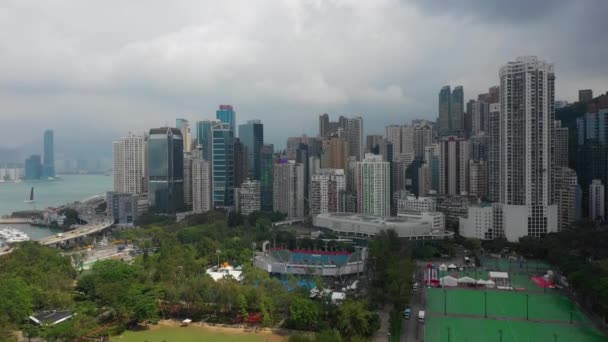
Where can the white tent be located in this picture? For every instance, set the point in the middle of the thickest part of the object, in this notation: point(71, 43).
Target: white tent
point(443, 267)
point(452, 267)
point(466, 280)
point(448, 281)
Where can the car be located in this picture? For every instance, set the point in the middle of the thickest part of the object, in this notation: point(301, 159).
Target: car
point(407, 313)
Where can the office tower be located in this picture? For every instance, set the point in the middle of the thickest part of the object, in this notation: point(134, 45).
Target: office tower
point(314, 145)
point(354, 137)
point(386, 150)
point(424, 180)
point(48, 166)
point(480, 146)
point(592, 149)
point(457, 110)
point(222, 165)
point(561, 145)
point(468, 121)
point(129, 156)
point(184, 126)
point(596, 200)
point(165, 170)
point(494, 152)
point(201, 185)
point(326, 187)
point(188, 157)
point(203, 136)
point(247, 197)
point(302, 158)
point(432, 157)
point(121, 208)
point(479, 116)
point(288, 188)
point(372, 143)
point(445, 118)
point(373, 184)
point(241, 162)
point(526, 144)
point(335, 153)
point(478, 178)
point(227, 115)
point(324, 130)
point(252, 136)
point(423, 135)
point(266, 177)
point(33, 167)
point(407, 139)
point(454, 165)
point(585, 95)
point(568, 197)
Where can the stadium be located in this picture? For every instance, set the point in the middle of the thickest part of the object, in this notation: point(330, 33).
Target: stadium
point(309, 262)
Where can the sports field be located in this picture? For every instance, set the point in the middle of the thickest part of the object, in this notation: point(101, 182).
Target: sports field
point(485, 330)
point(195, 334)
point(506, 265)
point(503, 304)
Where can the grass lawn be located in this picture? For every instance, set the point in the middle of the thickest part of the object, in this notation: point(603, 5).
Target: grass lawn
point(483, 330)
point(503, 304)
point(196, 334)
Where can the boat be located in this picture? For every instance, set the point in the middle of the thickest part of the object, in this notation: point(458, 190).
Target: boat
point(31, 200)
point(12, 235)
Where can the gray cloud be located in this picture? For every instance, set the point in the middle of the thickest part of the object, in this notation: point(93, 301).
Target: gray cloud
point(106, 68)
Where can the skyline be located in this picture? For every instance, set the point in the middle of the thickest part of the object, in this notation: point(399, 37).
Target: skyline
point(74, 74)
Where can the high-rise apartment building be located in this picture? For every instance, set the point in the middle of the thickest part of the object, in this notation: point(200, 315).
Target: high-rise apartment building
point(201, 185)
point(454, 165)
point(432, 158)
point(585, 95)
point(247, 197)
point(188, 157)
point(335, 153)
point(222, 165)
point(479, 116)
point(288, 188)
point(597, 198)
point(266, 177)
point(568, 197)
point(327, 185)
point(478, 178)
point(354, 136)
point(226, 114)
point(423, 135)
point(451, 110)
point(48, 166)
point(203, 136)
point(129, 164)
point(121, 208)
point(184, 126)
point(324, 129)
point(165, 170)
point(457, 110)
point(252, 136)
point(526, 146)
point(372, 143)
point(373, 186)
point(494, 152)
point(561, 145)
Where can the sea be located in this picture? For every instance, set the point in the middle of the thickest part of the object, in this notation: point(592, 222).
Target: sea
point(69, 188)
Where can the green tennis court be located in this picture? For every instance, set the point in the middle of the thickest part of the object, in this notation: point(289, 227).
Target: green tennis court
point(506, 265)
point(484, 330)
point(503, 304)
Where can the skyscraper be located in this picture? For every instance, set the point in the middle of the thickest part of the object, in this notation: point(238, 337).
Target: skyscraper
point(478, 178)
point(188, 157)
point(227, 115)
point(288, 188)
point(129, 161)
point(201, 185)
point(454, 165)
point(184, 126)
point(240, 162)
point(596, 200)
point(568, 197)
point(561, 145)
point(335, 153)
point(33, 167)
point(166, 170)
point(526, 146)
point(247, 197)
point(457, 110)
point(251, 135)
point(423, 136)
point(327, 185)
point(354, 136)
point(445, 116)
point(48, 167)
point(223, 165)
point(266, 177)
point(372, 143)
point(324, 129)
point(373, 186)
point(451, 111)
point(203, 136)
point(494, 152)
point(585, 95)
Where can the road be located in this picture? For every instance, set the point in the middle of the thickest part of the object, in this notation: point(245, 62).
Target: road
point(412, 330)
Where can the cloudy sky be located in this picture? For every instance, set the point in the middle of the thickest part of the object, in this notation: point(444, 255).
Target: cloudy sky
point(94, 70)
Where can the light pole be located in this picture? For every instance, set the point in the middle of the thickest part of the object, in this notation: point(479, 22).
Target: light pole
point(554, 337)
point(449, 331)
point(217, 252)
point(500, 333)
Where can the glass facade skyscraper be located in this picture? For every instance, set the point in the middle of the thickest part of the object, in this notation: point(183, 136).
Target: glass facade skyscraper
point(227, 115)
point(223, 165)
point(266, 176)
point(166, 170)
point(203, 136)
point(48, 166)
point(33, 167)
point(252, 136)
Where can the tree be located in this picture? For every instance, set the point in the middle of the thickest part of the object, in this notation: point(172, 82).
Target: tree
point(304, 314)
point(17, 300)
point(355, 319)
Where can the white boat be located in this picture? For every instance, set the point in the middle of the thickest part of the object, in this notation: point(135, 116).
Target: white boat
point(12, 235)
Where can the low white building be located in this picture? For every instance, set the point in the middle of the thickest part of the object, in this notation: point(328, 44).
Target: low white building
point(479, 224)
point(416, 204)
point(435, 218)
point(415, 227)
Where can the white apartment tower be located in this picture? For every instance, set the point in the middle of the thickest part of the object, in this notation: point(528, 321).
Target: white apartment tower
point(288, 188)
point(596, 200)
point(454, 165)
point(326, 187)
point(373, 183)
point(526, 148)
point(129, 157)
point(247, 197)
point(201, 185)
